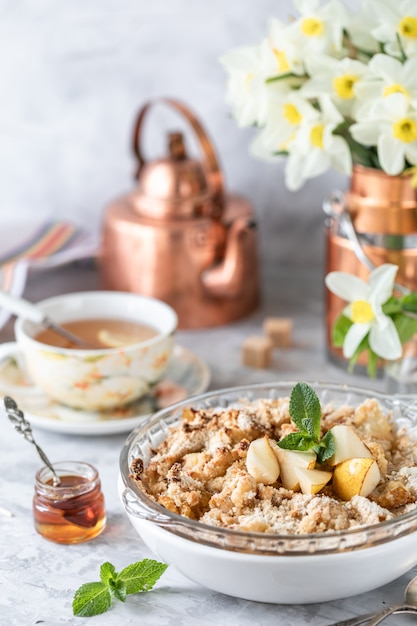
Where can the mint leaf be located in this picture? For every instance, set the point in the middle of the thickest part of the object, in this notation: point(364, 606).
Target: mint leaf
point(142, 576)
point(91, 599)
point(296, 441)
point(305, 410)
point(118, 589)
point(107, 572)
point(95, 598)
point(326, 447)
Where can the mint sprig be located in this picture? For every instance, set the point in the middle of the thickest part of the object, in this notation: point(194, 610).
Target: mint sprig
point(95, 598)
point(305, 412)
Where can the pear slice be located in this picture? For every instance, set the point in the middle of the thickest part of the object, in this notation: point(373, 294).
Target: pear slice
point(348, 445)
point(312, 480)
point(355, 477)
point(288, 461)
point(261, 462)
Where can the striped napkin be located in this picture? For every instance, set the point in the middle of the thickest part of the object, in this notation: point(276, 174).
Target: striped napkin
point(36, 246)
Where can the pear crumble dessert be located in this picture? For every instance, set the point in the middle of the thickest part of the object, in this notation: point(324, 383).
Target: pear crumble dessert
point(284, 466)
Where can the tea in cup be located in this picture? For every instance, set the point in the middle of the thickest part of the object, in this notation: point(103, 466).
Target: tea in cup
point(131, 338)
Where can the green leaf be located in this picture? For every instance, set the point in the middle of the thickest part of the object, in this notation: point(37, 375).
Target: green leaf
point(107, 572)
point(406, 327)
point(279, 77)
point(91, 599)
point(94, 598)
point(364, 345)
point(409, 303)
point(142, 576)
point(296, 441)
point(392, 305)
point(401, 47)
point(307, 426)
point(326, 448)
point(372, 363)
point(340, 329)
point(305, 410)
point(393, 242)
point(118, 588)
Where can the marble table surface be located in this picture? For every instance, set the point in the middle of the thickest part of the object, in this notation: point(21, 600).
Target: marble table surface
point(38, 578)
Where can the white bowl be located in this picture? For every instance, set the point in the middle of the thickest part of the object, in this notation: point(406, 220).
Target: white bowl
point(281, 569)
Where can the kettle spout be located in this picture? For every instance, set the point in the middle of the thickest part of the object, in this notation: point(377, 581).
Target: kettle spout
point(239, 266)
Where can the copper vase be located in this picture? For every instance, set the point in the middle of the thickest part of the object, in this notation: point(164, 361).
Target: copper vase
point(383, 212)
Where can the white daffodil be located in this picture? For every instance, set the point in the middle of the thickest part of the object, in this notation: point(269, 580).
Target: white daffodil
point(397, 25)
point(358, 27)
point(386, 76)
point(365, 310)
point(286, 48)
point(284, 119)
point(248, 68)
point(319, 29)
point(337, 78)
point(392, 127)
point(315, 148)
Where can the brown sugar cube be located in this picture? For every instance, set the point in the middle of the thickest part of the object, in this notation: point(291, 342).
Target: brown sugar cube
point(279, 330)
point(257, 352)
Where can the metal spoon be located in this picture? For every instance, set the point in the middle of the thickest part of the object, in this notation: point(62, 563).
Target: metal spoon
point(335, 207)
point(23, 427)
point(29, 311)
point(371, 619)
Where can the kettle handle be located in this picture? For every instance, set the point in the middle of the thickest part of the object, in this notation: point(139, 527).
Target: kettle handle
point(214, 173)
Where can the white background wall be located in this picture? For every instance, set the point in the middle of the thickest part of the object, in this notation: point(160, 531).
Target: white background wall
point(74, 73)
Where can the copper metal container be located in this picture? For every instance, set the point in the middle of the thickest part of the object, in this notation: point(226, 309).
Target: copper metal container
point(383, 212)
point(178, 237)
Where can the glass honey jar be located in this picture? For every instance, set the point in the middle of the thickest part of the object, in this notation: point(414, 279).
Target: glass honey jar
point(73, 511)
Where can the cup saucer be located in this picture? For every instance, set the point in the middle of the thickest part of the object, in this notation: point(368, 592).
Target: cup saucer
point(187, 375)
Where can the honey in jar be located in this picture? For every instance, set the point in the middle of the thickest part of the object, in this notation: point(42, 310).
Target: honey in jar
point(73, 511)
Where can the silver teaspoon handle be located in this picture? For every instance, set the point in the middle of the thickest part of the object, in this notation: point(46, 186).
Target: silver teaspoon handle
point(354, 621)
point(23, 427)
point(364, 619)
point(399, 608)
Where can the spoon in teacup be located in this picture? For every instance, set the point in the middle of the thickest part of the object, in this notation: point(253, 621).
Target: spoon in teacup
point(372, 619)
point(28, 310)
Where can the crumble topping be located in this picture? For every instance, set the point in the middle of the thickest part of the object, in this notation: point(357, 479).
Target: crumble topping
point(199, 471)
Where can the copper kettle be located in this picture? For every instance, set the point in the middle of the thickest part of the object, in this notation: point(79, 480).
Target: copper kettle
point(178, 237)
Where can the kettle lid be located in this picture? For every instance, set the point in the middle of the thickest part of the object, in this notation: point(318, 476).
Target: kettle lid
point(177, 186)
point(173, 187)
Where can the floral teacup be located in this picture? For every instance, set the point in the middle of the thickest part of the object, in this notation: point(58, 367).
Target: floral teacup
point(94, 379)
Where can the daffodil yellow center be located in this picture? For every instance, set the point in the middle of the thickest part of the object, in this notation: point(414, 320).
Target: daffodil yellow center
point(405, 130)
point(396, 88)
point(361, 312)
point(281, 57)
point(316, 136)
point(312, 27)
point(343, 85)
point(248, 80)
point(408, 27)
point(292, 114)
